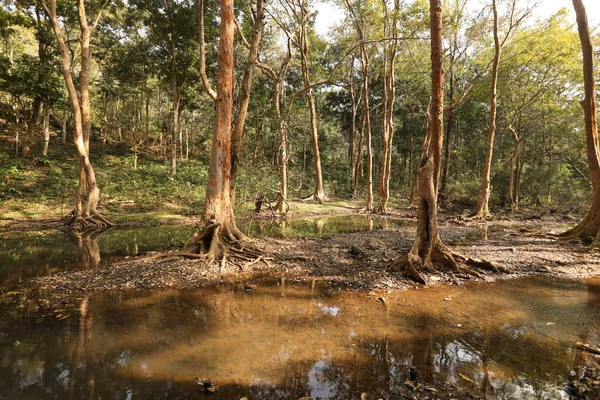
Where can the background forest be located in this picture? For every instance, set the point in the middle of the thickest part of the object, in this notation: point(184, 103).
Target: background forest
point(369, 78)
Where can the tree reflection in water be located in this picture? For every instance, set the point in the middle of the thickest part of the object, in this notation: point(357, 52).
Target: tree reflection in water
point(286, 340)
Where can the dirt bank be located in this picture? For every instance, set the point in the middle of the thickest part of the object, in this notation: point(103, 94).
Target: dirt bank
point(361, 261)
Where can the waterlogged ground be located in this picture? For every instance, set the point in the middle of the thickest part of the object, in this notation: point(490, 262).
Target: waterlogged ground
point(512, 339)
point(38, 253)
point(321, 314)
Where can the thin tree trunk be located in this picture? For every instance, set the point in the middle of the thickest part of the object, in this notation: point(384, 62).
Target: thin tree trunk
point(319, 192)
point(443, 195)
point(88, 193)
point(64, 127)
point(482, 209)
point(367, 125)
point(176, 102)
point(388, 130)
point(46, 128)
point(352, 149)
point(238, 128)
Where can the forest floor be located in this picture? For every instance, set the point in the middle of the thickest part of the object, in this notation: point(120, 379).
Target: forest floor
point(524, 244)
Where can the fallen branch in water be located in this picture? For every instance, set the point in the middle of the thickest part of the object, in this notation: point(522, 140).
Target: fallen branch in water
point(588, 348)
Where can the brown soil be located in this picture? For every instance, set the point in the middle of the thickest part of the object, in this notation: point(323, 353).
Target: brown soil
point(362, 261)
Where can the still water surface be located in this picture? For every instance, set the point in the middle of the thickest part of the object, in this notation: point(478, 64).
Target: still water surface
point(29, 254)
point(512, 339)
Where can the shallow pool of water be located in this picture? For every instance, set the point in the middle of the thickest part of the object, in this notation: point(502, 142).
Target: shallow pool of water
point(25, 255)
point(512, 339)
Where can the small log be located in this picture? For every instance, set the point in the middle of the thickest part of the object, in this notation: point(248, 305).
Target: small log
point(588, 348)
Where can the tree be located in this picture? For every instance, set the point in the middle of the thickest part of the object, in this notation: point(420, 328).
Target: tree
point(88, 193)
point(300, 11)
point(219, 227)
point(589, 227)
point(278, 78)
point(358, 18)
point(428, 247)
point(389, 95)
point(482, 209)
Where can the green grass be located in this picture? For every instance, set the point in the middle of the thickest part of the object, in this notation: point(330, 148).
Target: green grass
point(45, 187)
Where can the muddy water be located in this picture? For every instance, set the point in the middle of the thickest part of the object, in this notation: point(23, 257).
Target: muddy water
point(509, 340)
point(24, 255)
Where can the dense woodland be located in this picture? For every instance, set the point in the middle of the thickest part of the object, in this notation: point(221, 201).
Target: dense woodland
point(340, 116)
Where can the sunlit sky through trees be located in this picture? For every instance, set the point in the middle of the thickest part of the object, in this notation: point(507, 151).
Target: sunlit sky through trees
point(329, 14)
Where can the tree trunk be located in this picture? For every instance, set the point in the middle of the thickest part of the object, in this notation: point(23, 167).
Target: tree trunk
point(85, 214)
point(352, 148)
point(319, 192)
point(147, 122)
point(428, 247)
point(238, 128)
point(176, 103)
point(46, 129)
point(482, 209)
point(64, 127)
point(219, 221)
point(388, 129)
point(589, 227)
point(283, 144)
point(443, 195)
point(364, 59)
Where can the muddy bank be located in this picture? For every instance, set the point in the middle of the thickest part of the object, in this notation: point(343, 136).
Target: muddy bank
point(361, 261)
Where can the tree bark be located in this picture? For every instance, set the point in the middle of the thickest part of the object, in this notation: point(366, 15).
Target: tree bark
point(244, 97)
point(319, 192)
point(364, 59)
point(589, 227)
point(219, 222)
point(85, 214)
point(388, 130)
point(428, 247)
point(46, 129)
point(175, 96)
point(482, 209)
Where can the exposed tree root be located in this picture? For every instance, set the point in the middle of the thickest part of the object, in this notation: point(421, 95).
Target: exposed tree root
point(214, 242)
point(81, 223)
point(414, 264)
point(316, 199)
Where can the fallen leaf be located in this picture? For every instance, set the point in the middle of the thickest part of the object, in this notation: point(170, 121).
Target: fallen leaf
point(466, 378)
point(550, 323)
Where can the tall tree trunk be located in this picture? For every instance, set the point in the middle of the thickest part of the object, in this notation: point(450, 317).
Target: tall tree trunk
point(238, 128)
point(283, 144)
point(364, 59)
point(482, 209)
point(319, 192)
point(443, 195)
point(219, 221)
point(176, 102)
point(388, 129)
point(589, 227)
point(86, 201)
point(428, 247)
point(352, 148)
